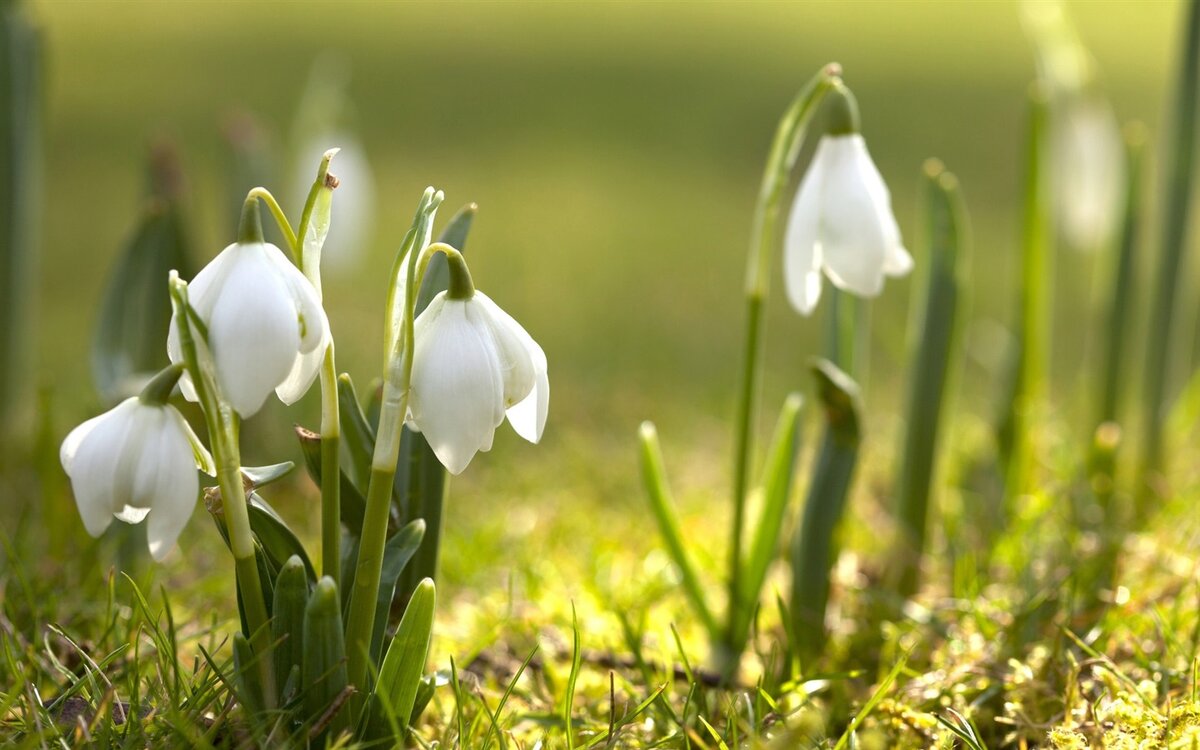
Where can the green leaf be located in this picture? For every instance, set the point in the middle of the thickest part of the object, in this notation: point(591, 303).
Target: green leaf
point(20, 202)
point(287, 619)
point(815, 546)
point(778, 474)
point(400, 675)
point(655, 478)
point(324, 666)
point(249, 677)
point(127, 347)
point(277, 540)
point(1177, 206)
point(933, 353)
point(397, 553)
point(358, 438)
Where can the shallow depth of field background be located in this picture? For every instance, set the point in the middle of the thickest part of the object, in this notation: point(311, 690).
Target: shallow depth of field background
point(615, 152)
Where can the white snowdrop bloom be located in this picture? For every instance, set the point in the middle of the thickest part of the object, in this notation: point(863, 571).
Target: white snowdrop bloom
point(137, 461)
point(1087, 175)
point(263, 317)
point(472, 365)
point(841, 224)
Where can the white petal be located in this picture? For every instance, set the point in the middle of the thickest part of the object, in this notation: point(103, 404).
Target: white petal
point(801, 256)
point(200, 455)
point(854, 227)
point(314, 323)
point(456, 384)
point(528, 418)
point(173, 486)
point(253, 331)
point(314, 326)
point(514, 348)
point(91, 455)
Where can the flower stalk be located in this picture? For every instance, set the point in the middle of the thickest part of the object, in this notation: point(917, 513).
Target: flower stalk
point(307, 246)
point(785, 149)
point(393, 408)
point(222, 424)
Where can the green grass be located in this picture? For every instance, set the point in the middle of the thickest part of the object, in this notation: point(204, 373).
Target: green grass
point(614, 151)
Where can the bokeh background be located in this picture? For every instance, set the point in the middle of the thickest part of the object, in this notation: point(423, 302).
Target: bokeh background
point(615, 151)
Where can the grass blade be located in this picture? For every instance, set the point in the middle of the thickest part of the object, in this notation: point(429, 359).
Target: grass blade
point(779, 472)
point(655, 478)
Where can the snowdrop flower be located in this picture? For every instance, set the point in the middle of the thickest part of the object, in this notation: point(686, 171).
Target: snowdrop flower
point(473, 365)
point(263, 316)
point(1087, 170)
point(841, 221)
point(137, 461)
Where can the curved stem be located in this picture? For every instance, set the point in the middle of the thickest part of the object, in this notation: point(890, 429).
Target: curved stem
point(264, 195)
point(784, 151)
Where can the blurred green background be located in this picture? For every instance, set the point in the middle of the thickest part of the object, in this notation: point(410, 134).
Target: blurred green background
point(615, 151)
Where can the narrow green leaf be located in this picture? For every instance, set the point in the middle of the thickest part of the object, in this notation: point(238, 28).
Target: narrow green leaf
point(933, 354)
point(779, 472)
point(277, 540)
point(20, 204)
point(568, 706)
point(655, 478)
point(1177, 206)
point(815, 546)
point(324, 667)
point(287, 619)
point(404, 664)
point(397, 553)
point(1027, 367)
point(136, 312)
point(249, 676)
point(358, 439)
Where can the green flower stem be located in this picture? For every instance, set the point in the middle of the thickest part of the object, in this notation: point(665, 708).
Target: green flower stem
point(393, 407)
point(785, 149)
point(331, 486)
point(460, 285)
point(264, 195)
point(1179, 189)
point(158, 390)
point(223, 432)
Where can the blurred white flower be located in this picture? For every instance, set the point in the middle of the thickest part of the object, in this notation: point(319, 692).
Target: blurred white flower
point(472, 364)
point(1087, 160)
point(134, 462)
point(841, 223)
point(262, 317)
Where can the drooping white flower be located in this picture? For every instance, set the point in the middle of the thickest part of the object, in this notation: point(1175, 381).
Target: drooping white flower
point(1087, 162)
point(841, 224)
point(472, 365)
point(136, 461)
point(262, 317)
